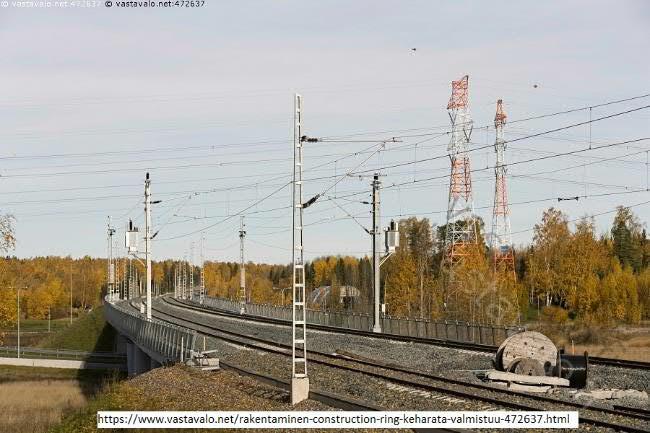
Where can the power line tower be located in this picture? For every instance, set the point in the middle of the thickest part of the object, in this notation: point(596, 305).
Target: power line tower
point(501, 240)
point(461, 234)
point(299, 378)
point(243, 299)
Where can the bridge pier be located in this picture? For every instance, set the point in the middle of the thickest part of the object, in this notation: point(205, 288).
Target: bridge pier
point(121, 344)
point(130, 358)
point(137, 360)
point(142, 361)
point(154, 364)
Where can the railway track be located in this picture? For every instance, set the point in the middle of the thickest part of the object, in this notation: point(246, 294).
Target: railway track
point(617, 419)
point(612, 362)
point(332, 400)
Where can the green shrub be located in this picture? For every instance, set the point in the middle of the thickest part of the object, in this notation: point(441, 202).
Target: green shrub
point(553, 314)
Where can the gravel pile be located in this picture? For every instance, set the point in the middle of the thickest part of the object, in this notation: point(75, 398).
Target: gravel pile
point(184, 388)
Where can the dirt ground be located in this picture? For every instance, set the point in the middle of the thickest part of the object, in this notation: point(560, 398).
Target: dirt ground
point(631, 343)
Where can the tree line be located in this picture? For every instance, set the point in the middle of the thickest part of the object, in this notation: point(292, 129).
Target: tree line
point(568, 271)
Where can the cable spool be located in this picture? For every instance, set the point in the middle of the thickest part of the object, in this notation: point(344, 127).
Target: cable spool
point(574, 368)
point(528, 344)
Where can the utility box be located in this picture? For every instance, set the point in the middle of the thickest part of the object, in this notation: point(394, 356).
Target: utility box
point(392, 237)
point(111, 273)
point(131, 238)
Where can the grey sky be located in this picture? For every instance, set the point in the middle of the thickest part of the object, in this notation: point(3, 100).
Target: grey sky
point(142, 82)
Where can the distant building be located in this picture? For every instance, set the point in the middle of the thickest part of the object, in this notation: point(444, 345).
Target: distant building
point(320, 296)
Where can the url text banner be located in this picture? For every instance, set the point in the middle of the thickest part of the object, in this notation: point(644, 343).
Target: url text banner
point(335, 419)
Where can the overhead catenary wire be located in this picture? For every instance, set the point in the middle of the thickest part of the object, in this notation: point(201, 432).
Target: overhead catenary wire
point(417, 161)
point(284, 140)
point(242, 211)
point(538, 134)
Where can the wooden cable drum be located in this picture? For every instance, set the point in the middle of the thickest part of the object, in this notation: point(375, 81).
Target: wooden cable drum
point(528, 344)
point(527, 367)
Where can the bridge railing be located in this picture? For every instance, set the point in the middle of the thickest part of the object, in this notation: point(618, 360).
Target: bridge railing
point(173, 343)
point(450, 330)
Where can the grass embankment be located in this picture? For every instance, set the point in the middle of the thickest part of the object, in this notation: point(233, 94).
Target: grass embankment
point(183, 388)
point(34, 399)
point(32, 331)
point(89, 333)
point(34, 406)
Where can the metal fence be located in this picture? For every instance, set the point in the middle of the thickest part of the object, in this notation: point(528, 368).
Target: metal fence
point(37, 352)
point(451, 330)
point(173, 343)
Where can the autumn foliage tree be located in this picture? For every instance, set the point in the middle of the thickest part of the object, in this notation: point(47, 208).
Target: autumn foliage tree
point(569, 268)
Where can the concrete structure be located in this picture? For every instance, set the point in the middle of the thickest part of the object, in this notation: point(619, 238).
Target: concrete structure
point(321, 296)
point(148, 343)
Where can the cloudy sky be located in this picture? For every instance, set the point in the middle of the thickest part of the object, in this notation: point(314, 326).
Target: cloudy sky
point(91, 99)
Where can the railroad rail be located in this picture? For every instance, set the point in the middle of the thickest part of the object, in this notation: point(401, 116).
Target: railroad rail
point(327, 398)
point(612, 362)
point(416, 379)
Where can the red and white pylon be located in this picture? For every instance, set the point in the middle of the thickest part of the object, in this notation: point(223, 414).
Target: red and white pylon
point(461, 235)
point(501, 239)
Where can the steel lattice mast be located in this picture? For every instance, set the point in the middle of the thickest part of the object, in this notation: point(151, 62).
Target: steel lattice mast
point(460, 235)
point(299, 378)
point(501, 241)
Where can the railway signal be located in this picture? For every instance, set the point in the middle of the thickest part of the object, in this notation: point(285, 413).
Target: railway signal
point(111, 262)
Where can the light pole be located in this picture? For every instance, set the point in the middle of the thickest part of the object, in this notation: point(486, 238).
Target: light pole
point(71, 290)
point(18, 320)
point(49, 319)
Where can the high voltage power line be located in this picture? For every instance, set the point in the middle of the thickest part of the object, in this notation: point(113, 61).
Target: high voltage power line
point(265, 183)
point(284, 140)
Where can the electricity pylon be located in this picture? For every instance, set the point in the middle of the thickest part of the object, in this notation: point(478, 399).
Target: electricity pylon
point(461, 233)
point(501, 240)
